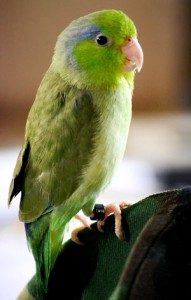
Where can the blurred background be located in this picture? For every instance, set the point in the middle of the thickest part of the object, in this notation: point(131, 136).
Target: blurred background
point(158, 153)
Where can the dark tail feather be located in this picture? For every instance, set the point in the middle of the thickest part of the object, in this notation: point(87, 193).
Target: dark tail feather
point(39, 240)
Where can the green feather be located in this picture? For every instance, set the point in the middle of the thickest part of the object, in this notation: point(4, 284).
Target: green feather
point(75, 134)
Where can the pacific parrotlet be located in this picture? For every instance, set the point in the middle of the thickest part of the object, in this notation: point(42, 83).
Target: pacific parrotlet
point(76, 130)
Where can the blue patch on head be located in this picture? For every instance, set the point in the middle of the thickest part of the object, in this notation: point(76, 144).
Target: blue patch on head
point(86, 33)
point(83, 33)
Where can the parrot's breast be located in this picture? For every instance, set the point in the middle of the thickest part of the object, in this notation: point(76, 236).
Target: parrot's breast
point(111, 136)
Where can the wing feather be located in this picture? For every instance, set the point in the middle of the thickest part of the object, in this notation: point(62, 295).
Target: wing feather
point(18, 176)
point(60, 130)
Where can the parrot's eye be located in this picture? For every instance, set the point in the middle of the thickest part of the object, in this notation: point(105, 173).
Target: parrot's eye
point(102, 40)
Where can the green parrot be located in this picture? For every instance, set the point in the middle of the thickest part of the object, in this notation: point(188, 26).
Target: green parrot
point(76, 130)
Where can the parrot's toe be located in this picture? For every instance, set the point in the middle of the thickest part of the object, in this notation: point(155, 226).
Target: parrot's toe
point(83, 220)
point(74, 234)
point(99, 225)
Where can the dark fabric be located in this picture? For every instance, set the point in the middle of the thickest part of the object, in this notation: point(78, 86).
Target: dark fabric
point(159, 266)
point(154, 262)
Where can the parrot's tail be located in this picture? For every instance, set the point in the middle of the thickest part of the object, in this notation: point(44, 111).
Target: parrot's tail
point(45, 245)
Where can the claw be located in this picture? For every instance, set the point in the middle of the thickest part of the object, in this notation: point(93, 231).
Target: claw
point(124, 204)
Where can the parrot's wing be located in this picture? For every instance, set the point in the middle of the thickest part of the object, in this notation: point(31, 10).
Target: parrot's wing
point(58, 144)
point(18, 176)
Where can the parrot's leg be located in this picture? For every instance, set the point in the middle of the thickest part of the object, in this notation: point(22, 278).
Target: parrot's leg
point(74, 234)
point(83, 220)
point(116, 210)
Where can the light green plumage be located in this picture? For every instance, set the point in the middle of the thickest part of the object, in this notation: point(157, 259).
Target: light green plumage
point(75, 133)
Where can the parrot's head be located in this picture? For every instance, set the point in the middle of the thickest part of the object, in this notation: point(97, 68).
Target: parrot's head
point(99, 49)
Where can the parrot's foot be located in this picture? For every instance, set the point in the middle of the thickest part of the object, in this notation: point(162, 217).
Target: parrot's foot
point(116, 210)
point(74, 234)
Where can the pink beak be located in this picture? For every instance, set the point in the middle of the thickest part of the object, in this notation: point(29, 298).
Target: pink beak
point(134, 55)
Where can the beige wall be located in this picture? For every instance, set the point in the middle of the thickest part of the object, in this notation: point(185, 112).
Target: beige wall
point(28, 31)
